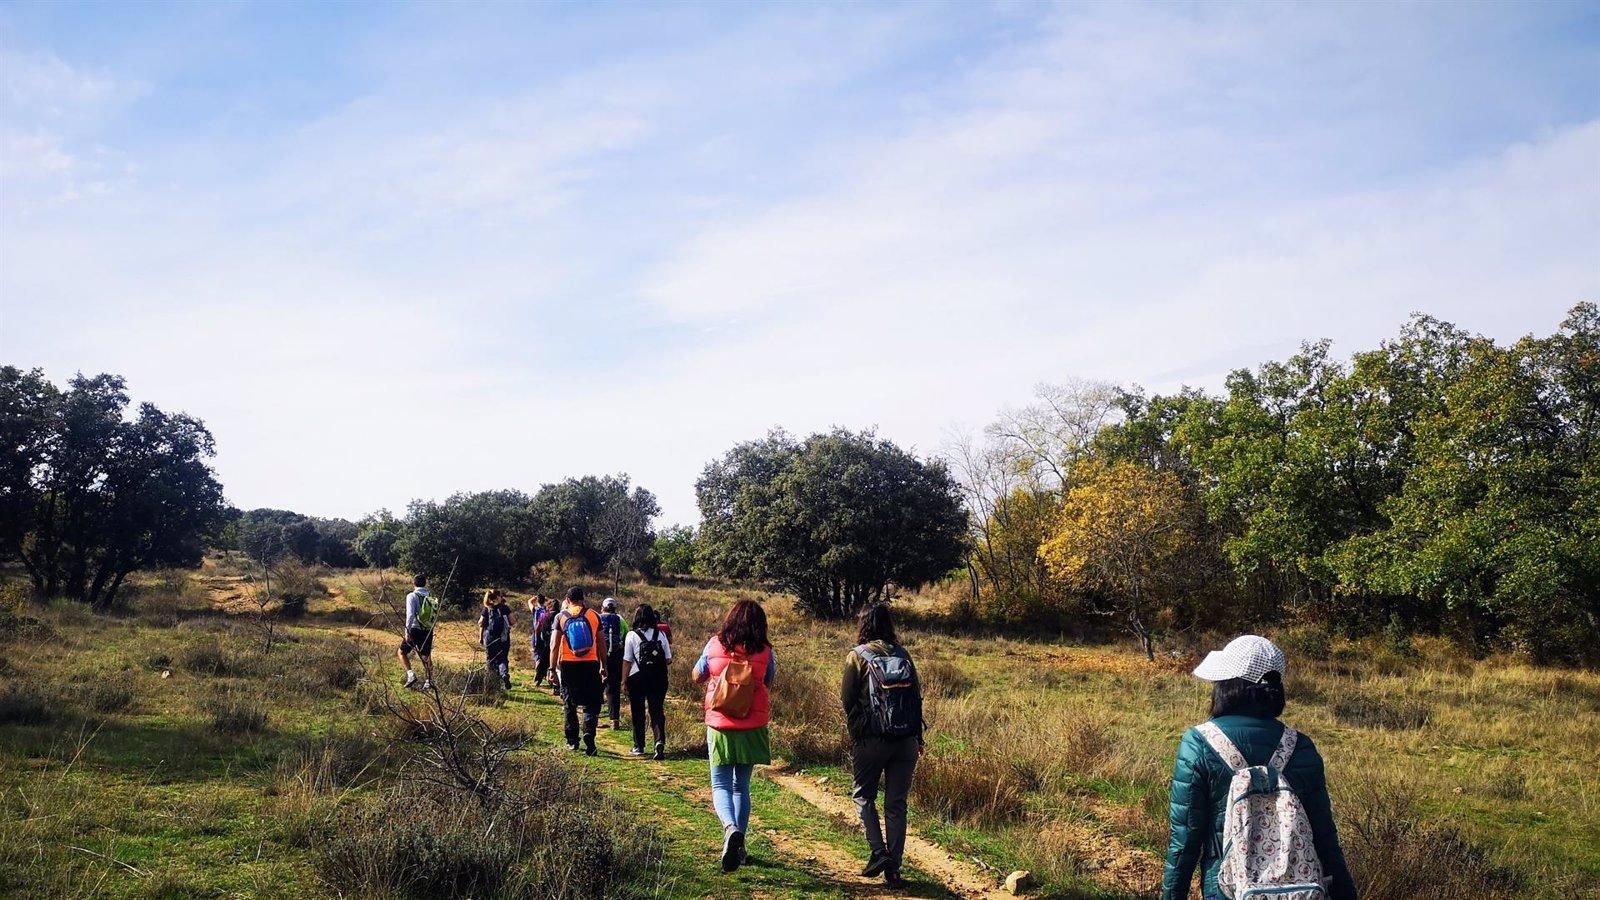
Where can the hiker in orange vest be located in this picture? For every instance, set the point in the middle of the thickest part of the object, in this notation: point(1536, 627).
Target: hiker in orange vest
point(577, 645)
point(736, 667)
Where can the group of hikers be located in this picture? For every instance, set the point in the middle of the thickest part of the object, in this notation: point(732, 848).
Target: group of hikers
point(1249, 802)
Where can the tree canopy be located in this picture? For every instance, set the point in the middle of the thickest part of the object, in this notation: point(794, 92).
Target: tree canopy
point(835, 519)
point(91, 494)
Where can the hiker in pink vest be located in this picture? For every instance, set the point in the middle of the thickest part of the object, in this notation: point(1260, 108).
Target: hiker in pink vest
point(736, 667)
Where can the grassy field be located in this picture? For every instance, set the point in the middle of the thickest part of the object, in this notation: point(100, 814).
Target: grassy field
point(168, 753)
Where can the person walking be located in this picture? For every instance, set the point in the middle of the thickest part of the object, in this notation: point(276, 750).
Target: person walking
point(578, 646)
point(646, 655)
point(882, 698)
point(543, 611)
point(494, 631)
point(736, 667)
point(422, 613)
point(1213, 819)
point(615, 628)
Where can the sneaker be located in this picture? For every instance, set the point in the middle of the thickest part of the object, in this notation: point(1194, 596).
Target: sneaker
point(661, 752)
point(411, 679)
point(506, 682)
point(571, 745)
point(876, 864)
point(427, 685)
point(732, 850)
point(894, 882)
point(637, 751)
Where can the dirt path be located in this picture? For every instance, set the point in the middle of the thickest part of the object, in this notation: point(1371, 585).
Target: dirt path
point(959, 877)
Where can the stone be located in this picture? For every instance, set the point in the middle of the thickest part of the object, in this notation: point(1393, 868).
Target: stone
point(1018, 882)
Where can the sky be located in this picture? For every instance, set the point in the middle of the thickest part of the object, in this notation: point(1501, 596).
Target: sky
point(392, 251)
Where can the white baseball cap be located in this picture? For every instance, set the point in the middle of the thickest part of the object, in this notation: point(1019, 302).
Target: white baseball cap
point(609, 603)
point(1249, 657)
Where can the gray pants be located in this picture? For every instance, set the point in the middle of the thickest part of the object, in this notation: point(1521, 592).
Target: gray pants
point(893, 761)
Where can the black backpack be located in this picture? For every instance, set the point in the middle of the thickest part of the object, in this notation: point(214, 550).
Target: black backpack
point(652, 657)
point(894, 695)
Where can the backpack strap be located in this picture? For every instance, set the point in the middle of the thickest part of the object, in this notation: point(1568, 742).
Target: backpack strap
point(1224, 748)
point(1286, 745)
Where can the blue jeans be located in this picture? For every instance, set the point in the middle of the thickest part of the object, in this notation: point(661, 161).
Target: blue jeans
point(730, 794)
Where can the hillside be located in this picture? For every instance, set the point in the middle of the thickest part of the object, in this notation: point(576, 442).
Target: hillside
point(166, 752)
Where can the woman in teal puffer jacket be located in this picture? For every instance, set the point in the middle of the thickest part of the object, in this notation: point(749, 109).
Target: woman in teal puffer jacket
point(1246, 700)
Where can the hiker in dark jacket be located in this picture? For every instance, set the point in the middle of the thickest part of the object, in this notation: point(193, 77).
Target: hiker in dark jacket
point(1246, 699)
point(543, 611)
point(885, 734)
point(494, 632)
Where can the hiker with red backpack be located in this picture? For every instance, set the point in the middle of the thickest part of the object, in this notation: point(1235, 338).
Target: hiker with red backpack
point(736, 668)
point(882, 698)
point(1249, 798)
point(647, 653)
point(578, 646)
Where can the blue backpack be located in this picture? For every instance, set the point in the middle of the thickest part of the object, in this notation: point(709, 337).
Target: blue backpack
point(580, 637)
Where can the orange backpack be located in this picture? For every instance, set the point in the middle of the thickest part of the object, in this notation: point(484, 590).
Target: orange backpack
point(736, 687)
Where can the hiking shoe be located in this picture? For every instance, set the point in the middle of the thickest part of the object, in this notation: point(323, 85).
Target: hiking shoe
point(732, 850)
point(427, 685)
point(572, 745)
point(894, 882)
point(411, 679)
point(637, 751)
point(589, 748)
point(876, 864)
point(661, 752)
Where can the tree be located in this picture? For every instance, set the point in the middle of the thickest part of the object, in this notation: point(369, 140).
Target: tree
point(484, 537)
point(601, 521)
point(375, 539)
point(674, 549)
point(1123, 534)
point(89, 495)
point(834, 520)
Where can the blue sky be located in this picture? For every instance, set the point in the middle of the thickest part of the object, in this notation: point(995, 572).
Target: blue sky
point(391, 251)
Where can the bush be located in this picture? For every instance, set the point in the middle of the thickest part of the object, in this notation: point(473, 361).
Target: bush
point(204, 658)
point(1394, 853)
point(324, 666)
point(236, 713)
point(25, 705)
point(942, 678)
point(295, 584)
point(1390, 714)
point(418, 841)
point(328, 763)
point(105, 697)
point(967, 789)
point(1308, 642)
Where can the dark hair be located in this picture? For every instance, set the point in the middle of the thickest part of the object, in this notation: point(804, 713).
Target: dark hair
point(645, 617)
point(875, 624)
point(575, 594)
point(1241, 697)
point(745, 626)
point(420, 581)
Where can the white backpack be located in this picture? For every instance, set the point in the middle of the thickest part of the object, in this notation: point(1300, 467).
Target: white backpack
point(1267, 847)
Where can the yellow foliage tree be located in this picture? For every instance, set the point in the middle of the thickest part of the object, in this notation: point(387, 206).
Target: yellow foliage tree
point(1123, 534)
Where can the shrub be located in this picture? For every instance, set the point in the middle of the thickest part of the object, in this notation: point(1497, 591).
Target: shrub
point(967, 789)
point(295, 584)
point(158, 661)
point(106, 697)
point(1308, 642)
point(25, 705)
point(236, 713)
point(420, 841)
point(327, 763)
point(204, 658)
point(942, 678)
point(1393, 853)
point(1389, 713)
point(324, 666)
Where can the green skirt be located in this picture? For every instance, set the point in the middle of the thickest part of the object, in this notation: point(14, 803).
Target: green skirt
point(748, 746)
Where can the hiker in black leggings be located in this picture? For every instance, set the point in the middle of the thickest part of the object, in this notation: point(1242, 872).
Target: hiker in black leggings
point(645, 658)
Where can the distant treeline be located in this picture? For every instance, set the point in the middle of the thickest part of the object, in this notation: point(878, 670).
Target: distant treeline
point(1441, 482)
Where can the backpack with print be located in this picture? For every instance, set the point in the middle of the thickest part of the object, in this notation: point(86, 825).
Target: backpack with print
point(579, 633)
point(894, 698)
point(651, 656)
point(1267, 845)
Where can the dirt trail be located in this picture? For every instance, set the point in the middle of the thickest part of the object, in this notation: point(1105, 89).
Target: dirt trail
point(958, 876)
